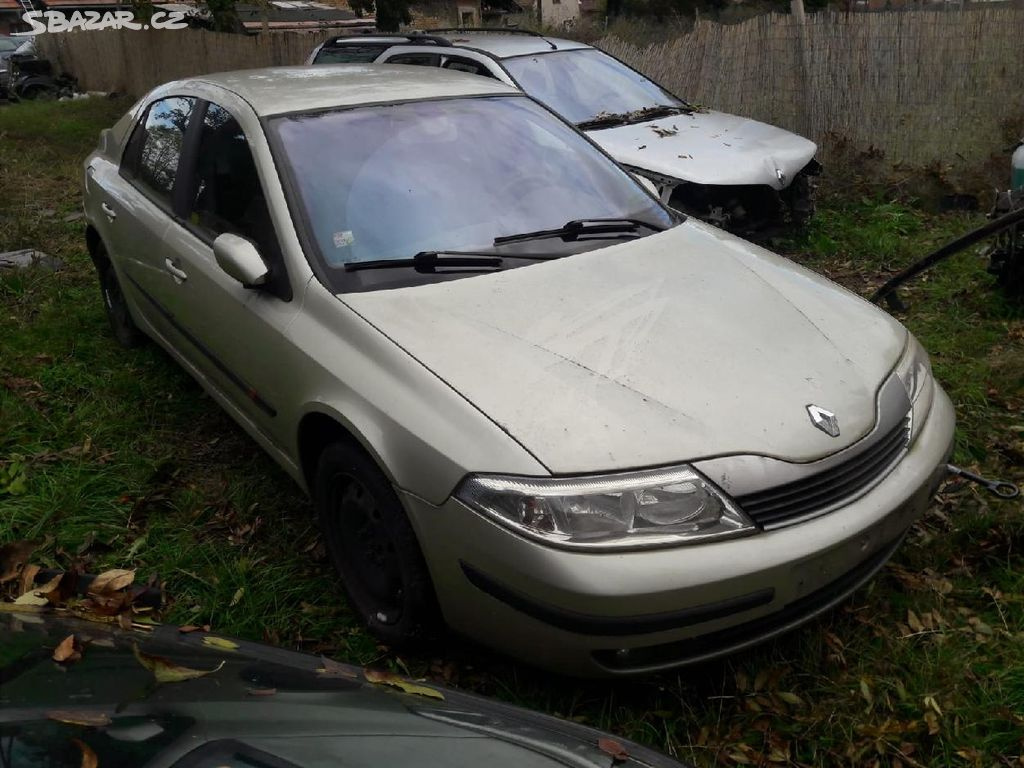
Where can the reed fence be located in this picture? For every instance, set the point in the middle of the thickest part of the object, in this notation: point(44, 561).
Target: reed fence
point(920, 86)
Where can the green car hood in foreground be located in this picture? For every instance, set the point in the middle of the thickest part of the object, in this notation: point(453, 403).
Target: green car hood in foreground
point(682, 345)
point(263, 707)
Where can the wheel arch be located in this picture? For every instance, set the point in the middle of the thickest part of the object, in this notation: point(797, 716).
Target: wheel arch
point(94, 244)
point(319, 428)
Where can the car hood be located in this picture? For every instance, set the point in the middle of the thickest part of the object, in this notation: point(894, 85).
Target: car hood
point(708, 147)
point(679, 346)
point(302, 709)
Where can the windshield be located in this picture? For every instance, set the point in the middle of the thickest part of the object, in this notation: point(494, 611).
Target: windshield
point(8, 44)
point(389, 182)
point(583, 83)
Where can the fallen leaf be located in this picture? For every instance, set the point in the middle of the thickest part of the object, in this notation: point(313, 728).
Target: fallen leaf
point(914, 622)
point(931, 703)
point(79, 717)
point(166, 671)
point(89, 758)
point(28, 578)
point(31, 598)
point(12, 557)
point(262, 691)
point(45, 590)
point(613, 748)
point(237, 597)
point(66, 650)
point(219, 642)
point(379, 677)
point(111, 581)
point(865, 691)
point(193, 628)
point(790, 698)
point(334, 669)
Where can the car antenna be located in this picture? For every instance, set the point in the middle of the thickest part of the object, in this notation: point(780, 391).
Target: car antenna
point(497, 30)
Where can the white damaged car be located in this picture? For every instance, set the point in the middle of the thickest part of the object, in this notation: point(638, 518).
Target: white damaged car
point(731, 171)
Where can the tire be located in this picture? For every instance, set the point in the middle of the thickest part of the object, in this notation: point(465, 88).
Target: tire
point(119, 315)
point(39, 93)
point(374, 548)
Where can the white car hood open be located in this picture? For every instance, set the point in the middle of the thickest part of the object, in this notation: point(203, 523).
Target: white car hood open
point(710, 148)
point(683, 345)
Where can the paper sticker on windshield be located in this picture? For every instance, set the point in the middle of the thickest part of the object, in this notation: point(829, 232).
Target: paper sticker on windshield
point(341, 239)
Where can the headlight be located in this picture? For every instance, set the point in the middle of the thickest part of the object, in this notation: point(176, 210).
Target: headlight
point(915, 372)
point(650, 508)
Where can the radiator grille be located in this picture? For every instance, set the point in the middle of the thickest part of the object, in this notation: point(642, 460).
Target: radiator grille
point(784, 504)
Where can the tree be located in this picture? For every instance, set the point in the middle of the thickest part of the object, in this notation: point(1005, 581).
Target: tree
point(224, 16)
point(391, 14)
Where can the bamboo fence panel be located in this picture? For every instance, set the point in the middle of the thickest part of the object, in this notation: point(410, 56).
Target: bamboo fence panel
point(921, 86)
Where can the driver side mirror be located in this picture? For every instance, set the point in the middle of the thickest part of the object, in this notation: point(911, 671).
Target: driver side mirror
point(240, 259)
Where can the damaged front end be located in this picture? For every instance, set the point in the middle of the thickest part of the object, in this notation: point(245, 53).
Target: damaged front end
point(756, 210)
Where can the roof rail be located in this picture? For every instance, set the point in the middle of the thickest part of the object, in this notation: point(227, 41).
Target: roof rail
point(414, 38)
point(497, 30)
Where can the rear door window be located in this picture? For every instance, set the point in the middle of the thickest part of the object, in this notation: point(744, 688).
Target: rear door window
point(350, 54)
point(462, 64)
point(154, 150)
point(419, 59)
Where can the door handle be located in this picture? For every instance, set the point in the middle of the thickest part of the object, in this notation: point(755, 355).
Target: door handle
point(109, 212)
point(178, 274)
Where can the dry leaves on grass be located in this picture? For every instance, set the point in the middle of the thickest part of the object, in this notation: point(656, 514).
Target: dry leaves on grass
point(166, 671)
point(108, 598)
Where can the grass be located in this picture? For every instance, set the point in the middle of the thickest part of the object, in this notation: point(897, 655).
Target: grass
point(116, 458)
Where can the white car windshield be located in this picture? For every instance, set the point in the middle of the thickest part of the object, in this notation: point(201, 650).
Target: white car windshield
point(585, 83)
point(390, 182)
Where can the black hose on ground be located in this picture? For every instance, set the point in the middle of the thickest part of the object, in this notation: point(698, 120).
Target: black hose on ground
point(929, 261)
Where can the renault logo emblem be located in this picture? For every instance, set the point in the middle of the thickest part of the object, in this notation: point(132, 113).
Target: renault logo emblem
point(824, 420)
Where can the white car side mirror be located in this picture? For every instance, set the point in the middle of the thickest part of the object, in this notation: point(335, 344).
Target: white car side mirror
point(240, 259)
point(647, 184)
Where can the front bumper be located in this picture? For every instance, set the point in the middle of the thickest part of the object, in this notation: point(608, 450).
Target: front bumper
point(620, 613)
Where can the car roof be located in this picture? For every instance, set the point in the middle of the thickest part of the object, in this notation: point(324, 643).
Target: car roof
point(499, 44)
point(278, 90)
point(505, 45)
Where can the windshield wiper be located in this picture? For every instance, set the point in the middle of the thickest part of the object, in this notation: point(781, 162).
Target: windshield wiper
point(572, 230)
point(428, 261)
point(610, 119)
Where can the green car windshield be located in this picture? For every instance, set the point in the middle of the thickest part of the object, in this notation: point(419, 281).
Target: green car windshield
point(388, 182)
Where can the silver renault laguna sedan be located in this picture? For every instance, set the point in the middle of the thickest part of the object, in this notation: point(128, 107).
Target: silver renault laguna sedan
point(529, 401)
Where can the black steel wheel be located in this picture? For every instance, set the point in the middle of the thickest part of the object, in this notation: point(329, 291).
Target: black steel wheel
point(118, 313)
point(373, 547)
